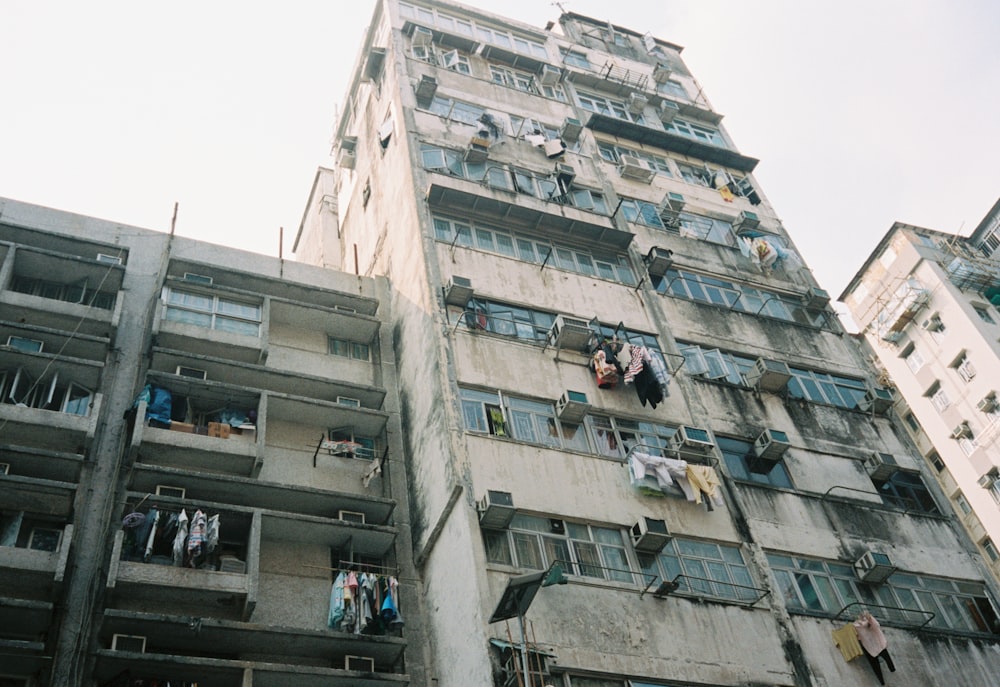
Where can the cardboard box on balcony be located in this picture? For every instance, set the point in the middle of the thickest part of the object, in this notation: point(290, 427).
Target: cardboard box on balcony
point(182, 427)
point(218, 429)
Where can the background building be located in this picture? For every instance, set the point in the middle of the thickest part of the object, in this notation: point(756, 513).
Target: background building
point(926, 301)
point(532, 194)
point(248, 362)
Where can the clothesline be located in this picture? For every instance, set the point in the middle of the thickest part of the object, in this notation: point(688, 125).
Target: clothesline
point(363, 567)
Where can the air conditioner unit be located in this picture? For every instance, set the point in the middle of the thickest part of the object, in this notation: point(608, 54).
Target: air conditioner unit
point(553, 147)
point(426, 88)
point(565, 174)
point(4, 468)
point(478, 150)
point(877, 400)
point(232, 564)
point(667, 111)
point(571, 129)
point(658, 261)
point(768, 375)
point(458, 291)
point(987, 480)
point(691, 439)
point(746, 220)
point(637, 103)
point(649, 535)
point(633, 168)
point(816, 297)
point(961, 431)
point(496, 510)
point(133, 643)
point(549, 75)
point(351, 516)
point(572, 406)
point(422, 36)
point(661, 73)
point(362, 664)
point(192, 372)
point(881, 466)
point(348, 401)
point(569, 332)
point(771, 444)
point(933, 324)
point(988, 404)
point(671, 207)
point(345, 158)
point(173, 492)
point(874, 567)
point(23, 344)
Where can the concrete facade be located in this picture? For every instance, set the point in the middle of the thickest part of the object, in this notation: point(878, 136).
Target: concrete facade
point(514, 184)
point(262, 357)
point(926, 301)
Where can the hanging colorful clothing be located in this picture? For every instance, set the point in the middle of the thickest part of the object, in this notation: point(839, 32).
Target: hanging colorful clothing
point(180, 538)
point(336, 613)
point(846, 639)
point(196, 540)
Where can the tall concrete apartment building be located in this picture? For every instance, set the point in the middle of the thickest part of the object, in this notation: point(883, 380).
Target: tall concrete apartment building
point(927, 303)
point(615, 371)
point(146, 376)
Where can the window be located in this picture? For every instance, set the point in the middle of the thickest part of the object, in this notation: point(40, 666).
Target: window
point(641, 212)
point(914, 360)
point(911, 422)
point(456, 110)
point(934, 458)
point(19, 387)
point(709, 569)
point(968, 445)
point(938, 396)
point(349, 349)
point(707, 229)
point(984, 314)
point(523, 247)
point(825, 587)
point(614, 437)
point(742, 298)
point(714, 363)
point(698, 132)
point(905, 490)
point(350, 444)
point(964, 367)
point(821, 387)
point(77, 292)
point(574, 58)
point(672, 89)
point(612, 153)
point(962, 504)
point(607, 106)
point(744, 464)
point(990, 548)
point(511, 78)
point(536, 543)
point(455, 61)
point(887, 257)
point(214, 312)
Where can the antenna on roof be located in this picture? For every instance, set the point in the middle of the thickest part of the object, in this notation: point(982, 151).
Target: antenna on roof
point(560, 6)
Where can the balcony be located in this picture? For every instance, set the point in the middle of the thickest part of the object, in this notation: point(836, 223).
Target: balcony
point(41, 464)
point(556, 220)
point(33, 558)
point(50, 430)
point(23, 624)
point(672, 142)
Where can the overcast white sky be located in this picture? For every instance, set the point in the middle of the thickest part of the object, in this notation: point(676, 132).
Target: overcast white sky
point(862, 112)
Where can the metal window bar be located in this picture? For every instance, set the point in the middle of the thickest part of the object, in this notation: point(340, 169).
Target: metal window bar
point(485, 322)
point(893, 497)
point(573, 568)
point(890, 616)
point(676, 585)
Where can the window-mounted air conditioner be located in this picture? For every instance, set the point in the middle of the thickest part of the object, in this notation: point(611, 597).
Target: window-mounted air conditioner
point(671, 207)
point(987, 480)
point(173, 492)
point(649, 535)
point(4, 468)
point(572, 406)
point(661, 73)
point(549, 75)
point(133, 643)
point(631, 167)
point(571, 129)
point(109, 259)
point(988, 404)
point(768, 375)
point(637, 103)
point(771, 445)
point(571, 333)
point(932, 323)
point(422, 36)
point(881, 466)
point(816, 297)
point(691, 439)
point(345, 158)
point(496, 510)
point(351, 516)
point(667, 111)
point(553, 148)
point(23, 344)
point(478, 150)
point(877, 400)
point(658, 261)
point(426, 88)
point(746, 220)
point(197, 278)
point(192, 372)
point(565, 174)
point(348, 401)
point(364, 664)
point(458, 291)
point(962, 431)
point(874, 567)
